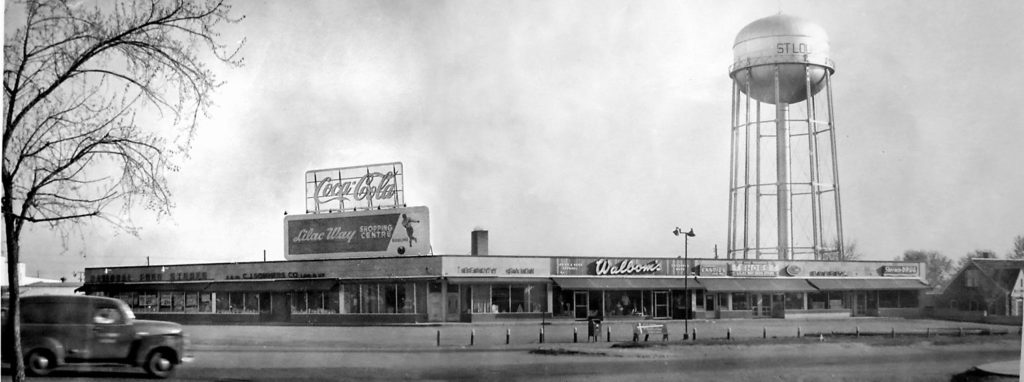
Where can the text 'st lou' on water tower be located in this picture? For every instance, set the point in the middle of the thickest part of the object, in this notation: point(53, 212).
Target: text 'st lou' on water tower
point(784, 179)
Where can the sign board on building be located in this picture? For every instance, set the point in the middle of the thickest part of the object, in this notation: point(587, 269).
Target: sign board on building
point(375, 233)
point(570, 266)
point(758, 269)
point(355, 188)
point(899, 270)
point(492, 266)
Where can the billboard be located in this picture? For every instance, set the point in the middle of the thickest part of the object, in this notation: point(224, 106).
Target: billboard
point(375, 233)
point(355, 188)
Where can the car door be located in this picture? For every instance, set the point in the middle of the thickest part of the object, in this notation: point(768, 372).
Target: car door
point(111, 333)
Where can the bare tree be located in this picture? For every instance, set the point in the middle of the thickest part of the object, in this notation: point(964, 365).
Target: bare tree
point(1018, 248)
point(938, 268)
point(82, 87)
point(849, 252)
point(977, 254)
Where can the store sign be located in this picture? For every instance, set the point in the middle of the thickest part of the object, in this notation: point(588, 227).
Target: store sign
point(391, 232)
point(753, 270)
point(829, 274)
point(496, 266)
point(793, 270)
point(355, 188)
point(899, 270)
point(712, 270)
point(625, 267)
point(575, 266)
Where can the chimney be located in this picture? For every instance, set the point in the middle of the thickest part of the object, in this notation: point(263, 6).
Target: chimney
point(479, 242)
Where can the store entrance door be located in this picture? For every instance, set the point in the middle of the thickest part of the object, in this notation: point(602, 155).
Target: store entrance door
point(661, 304)
point(452, 313)
point(761, 305)
point(580, 300)
point(860, 304)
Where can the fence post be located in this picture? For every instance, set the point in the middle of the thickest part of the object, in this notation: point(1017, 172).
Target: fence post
point(797, 332)
point(472, 336)
point(694, 333)
point(508, 335)
point(927, 332)
point(438, 337)
point(541, 334)
point(961, 331)
point(575, 335)
point(608, 331)
point(893, 332)
point(728, 333)
point(764, 332)
point(858, 331)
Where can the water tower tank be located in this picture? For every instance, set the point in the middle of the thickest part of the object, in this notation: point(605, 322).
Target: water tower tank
point(784, 43)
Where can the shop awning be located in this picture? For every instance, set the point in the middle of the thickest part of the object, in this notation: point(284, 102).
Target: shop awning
point(868, 284)
point(495, 280)
point(581, 283)
point(756, 285)
point(271, 285)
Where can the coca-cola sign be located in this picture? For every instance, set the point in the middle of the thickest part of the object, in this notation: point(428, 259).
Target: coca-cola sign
point(355, 188)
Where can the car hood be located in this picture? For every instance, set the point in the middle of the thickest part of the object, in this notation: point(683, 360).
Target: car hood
point(156, 328)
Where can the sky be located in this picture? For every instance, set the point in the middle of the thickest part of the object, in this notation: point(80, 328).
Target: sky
point(582, 128)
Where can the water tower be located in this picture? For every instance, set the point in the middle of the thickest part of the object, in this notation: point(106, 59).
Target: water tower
point(784, 179)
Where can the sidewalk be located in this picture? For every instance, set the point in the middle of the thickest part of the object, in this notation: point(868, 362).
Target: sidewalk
point(528, 333)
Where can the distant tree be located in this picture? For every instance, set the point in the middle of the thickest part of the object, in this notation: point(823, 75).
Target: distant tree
point(977, 254)
point(850, 251)
point(76, 75)
point(1018, 248)
point(938, 268)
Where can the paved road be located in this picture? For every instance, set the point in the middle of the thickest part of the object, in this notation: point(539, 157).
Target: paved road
point(239, 353)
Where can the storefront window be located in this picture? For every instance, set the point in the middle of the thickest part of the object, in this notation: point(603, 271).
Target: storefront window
point(350, 299)
point(252, 303)
point(794, 301)
point(371, 297)
point(538, 296)
point(500, 298)
point(619, 303)
point(739, 301)
point(818, 300)
point(421, 297)
point(147, 302)
point(518, 299)
point(908, 299)
point(835, 300)
point(204, 302)
point(481, 299)
point(299, 302)
point(402, 305)
point(563, 302)
point(388, 292)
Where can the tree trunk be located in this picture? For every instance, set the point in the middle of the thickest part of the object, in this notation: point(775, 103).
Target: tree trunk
point(13, 231)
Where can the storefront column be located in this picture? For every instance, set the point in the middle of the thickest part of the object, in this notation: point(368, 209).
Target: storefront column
point(444, 300)
point(728, 297)
point(213, 301)
point(805, 300)
point(551, 299)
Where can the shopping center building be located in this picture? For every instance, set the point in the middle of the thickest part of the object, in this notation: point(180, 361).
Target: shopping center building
point(360, 256)
point(468, 288)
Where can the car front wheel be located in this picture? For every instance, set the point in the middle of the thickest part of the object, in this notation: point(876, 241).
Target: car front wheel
point(40, 362)
point(159, 364)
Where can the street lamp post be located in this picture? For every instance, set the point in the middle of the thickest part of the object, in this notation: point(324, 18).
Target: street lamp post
point(686, 288)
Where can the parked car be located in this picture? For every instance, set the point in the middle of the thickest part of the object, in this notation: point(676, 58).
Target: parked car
point(59, 330)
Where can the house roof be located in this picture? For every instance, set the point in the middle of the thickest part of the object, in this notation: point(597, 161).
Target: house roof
point(1003, 272)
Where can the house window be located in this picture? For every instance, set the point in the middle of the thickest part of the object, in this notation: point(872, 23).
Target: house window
point(972, 278)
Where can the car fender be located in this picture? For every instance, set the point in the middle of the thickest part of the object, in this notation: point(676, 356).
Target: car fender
point(47, 343)
point(145, 345)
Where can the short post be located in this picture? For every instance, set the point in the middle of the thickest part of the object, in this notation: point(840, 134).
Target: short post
point(858, 331)
point(508, 335)
point(439, 337)
point(541, 334)
point(472, 336)
point(575, 335)
point(764, 332)
point(608, 330)
point(797, 332)
point(961, 331)
point(694, 333)
point(894, 332)
point(728, 333)
point(927, 332)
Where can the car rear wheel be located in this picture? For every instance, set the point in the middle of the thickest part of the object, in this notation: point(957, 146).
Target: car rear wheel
point(159, 364)
point(40, 362)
